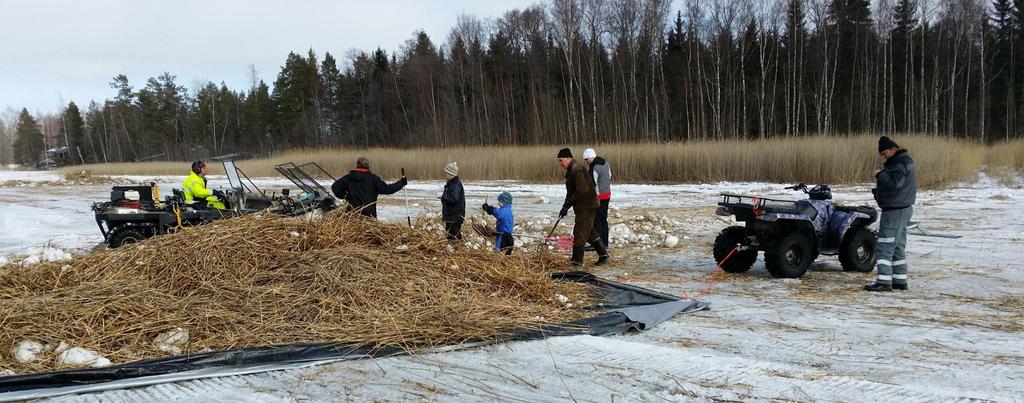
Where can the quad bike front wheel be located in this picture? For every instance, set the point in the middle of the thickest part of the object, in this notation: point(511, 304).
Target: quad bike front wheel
point(741, 260)
point(857, 253)
point(123, 235)
point(789, 256)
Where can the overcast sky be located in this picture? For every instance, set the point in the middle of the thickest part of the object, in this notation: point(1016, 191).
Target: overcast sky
point(70, 49)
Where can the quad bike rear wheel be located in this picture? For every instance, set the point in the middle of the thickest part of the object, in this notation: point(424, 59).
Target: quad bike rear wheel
point(125, 235)
point(789, 256)
point(857, 253)
point(741, 260)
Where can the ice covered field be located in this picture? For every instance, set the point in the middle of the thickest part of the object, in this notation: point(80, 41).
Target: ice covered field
point(958, 334)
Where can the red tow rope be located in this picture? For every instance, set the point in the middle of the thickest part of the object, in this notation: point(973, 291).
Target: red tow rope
point(715, 276)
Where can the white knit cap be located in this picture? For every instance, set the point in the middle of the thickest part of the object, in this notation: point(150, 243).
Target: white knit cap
point(452, 169)
point(589, 153)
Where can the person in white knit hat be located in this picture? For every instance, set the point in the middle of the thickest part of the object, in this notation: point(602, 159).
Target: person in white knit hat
point(602, 173)
point(453, 202)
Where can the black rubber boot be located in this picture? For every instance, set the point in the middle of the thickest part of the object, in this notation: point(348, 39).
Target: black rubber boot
point(901, 287)
point(602, 252)
point(577, 256)
point(878, 287)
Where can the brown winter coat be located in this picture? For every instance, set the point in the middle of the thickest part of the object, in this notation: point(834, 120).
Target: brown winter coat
point(580, 189)
point(581, 194)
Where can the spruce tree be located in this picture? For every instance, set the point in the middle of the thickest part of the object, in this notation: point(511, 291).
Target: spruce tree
point(75, 126)
point(1001, 104)
point(28, 141)
point(330, 104)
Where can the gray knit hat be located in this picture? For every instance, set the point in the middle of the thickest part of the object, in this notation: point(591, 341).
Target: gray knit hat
point(452, 169)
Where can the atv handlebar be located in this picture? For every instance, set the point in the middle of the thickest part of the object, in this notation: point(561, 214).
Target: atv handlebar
point(799, 186)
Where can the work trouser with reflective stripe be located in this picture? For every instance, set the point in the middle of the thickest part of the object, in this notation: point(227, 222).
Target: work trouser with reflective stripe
point(891, 249)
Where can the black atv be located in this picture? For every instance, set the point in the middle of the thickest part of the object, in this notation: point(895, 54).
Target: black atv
point(793, 233)
point(135, 212)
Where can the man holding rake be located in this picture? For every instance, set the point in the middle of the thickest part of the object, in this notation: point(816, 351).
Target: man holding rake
point(581, 196)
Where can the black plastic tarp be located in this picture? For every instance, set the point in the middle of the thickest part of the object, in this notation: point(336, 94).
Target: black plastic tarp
point(624, 308)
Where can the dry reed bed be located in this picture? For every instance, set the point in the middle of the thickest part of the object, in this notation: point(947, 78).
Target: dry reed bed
point(835, 160)
point(265, 280)
point(1006, 161)
point(1008, 154)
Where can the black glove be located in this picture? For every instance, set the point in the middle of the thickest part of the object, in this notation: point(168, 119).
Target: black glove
point(487, 208)
point(564, 212)
point(220, 195)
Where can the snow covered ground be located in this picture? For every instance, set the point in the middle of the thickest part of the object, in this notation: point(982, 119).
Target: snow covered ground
point(958, 333)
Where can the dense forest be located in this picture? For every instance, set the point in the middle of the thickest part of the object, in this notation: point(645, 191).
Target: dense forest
point(587, 71)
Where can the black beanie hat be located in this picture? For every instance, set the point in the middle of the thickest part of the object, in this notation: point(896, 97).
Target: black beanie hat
point(885, 143)
point(564, 153)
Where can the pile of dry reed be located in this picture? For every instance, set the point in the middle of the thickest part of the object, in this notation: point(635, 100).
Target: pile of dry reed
point(264, 280)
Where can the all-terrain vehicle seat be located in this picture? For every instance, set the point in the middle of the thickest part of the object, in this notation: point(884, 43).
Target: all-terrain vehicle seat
point(820, 192)
point(870, 212)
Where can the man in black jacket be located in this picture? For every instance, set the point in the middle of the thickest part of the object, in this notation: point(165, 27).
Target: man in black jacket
point(896, 192)
point(360, 188)
point(453, 202)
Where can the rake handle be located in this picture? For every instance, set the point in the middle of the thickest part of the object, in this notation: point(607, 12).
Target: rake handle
point(554, 227)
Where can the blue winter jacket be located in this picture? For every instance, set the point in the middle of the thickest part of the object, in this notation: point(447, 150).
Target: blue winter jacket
point(505, 219)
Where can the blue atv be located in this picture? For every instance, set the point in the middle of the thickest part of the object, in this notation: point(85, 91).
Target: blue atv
point(793, 233)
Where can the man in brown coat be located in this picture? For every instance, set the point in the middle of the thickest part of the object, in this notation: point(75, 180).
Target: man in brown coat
point(581, 195)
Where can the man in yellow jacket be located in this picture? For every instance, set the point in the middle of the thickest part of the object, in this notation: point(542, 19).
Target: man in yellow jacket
point(195, 189)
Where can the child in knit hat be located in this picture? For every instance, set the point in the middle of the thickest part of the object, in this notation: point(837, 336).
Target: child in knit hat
point(503, 241)
point(453, 202)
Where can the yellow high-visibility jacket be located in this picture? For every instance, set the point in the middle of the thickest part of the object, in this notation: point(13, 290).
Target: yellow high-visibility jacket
point(195, 189)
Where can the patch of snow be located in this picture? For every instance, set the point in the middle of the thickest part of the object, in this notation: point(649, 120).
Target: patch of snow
point(620, 233)
point(27, 351)
point(36, 254)
point(172, 341)
point(82, 357)
point(671, 241)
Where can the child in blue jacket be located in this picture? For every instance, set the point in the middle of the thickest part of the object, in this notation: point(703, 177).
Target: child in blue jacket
point(504, 241)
